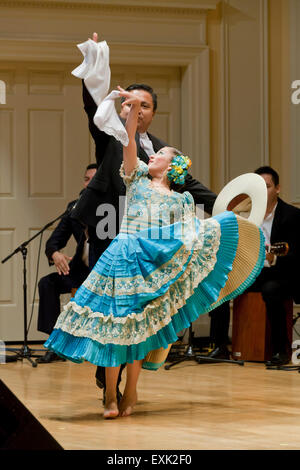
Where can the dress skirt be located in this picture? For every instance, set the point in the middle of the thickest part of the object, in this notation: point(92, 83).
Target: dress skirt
point(149, 285)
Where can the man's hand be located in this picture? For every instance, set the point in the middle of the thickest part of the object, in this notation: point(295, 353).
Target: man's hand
point(130, 98)
point(61, 262)
point(270, 257)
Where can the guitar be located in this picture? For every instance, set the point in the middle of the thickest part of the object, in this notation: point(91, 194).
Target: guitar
point(278, 248)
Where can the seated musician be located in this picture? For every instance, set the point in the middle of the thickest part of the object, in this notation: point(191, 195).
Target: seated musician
point(279, 279)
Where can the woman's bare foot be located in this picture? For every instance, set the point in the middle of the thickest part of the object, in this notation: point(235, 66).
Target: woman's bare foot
point(111, 410)
point(127, 403)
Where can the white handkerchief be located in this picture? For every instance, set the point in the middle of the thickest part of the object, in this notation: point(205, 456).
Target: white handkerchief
point(95, 68)
point(107, 119)
point(95, 72)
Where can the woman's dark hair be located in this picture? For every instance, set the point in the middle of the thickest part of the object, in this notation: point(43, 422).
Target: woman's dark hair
point(269, 171)
point(142, 86)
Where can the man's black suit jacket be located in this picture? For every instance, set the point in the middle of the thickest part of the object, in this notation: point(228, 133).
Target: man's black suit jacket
point(59, 239)
point(286, 228)
point(107, 184)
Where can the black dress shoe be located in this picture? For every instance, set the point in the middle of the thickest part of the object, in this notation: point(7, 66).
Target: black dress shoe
point(49, 356)
point(220, 352)
point(279, 359)
point(99, 383)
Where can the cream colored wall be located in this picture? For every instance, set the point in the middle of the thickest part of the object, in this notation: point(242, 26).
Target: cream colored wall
point(291, 142)
point(238, 42)
point(280, 106)
point(44, 139)
point(147, 33)
point(45, 147)
point(254, 58)
point(228, 64)
point(284, 116)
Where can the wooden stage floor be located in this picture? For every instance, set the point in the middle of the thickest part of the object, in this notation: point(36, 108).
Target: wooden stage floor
point(191, 406)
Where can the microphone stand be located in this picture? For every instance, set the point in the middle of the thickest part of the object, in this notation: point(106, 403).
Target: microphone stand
point(188, 355)
point(25, 352)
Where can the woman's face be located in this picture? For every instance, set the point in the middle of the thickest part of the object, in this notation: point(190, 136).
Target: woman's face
point(160, 163)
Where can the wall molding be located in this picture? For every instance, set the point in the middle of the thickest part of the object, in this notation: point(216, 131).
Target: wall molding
point(264, 81)
point(228, 21)
point(176, 8)
point(179, 40)
point(195, 97)
point(66, 51)
point(193, 60)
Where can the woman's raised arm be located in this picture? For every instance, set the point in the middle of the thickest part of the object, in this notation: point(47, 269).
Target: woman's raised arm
point(130, 152)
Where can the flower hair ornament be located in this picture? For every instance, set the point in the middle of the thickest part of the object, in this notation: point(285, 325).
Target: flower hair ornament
point(179, 168)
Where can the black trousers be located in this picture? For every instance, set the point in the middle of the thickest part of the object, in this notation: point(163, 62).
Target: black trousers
point(275, 292)
point(50, 288)
point(100, 375)
point(219, 325)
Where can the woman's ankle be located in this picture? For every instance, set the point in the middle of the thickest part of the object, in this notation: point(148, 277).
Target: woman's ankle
point(110, 397)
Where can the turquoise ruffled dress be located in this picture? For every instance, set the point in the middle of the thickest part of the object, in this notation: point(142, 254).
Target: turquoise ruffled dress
point(164, 269)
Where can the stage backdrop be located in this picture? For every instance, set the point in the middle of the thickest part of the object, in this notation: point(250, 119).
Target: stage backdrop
point(214, 65)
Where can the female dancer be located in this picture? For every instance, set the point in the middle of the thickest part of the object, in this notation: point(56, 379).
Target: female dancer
point(164, 269)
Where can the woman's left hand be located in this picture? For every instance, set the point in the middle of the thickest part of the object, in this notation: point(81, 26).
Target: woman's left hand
point(130, 98)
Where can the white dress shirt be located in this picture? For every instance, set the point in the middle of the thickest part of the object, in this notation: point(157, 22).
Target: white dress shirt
point(146, 144)
point(266, 227)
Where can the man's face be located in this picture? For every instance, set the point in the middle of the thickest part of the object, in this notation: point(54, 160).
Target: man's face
point(146, 112)
point(88, 176)
point(273, 190)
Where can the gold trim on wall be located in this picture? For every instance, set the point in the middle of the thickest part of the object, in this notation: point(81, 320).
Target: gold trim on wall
point(166, 7)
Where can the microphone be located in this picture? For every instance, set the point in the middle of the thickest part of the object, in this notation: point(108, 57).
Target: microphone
point(71, 207)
